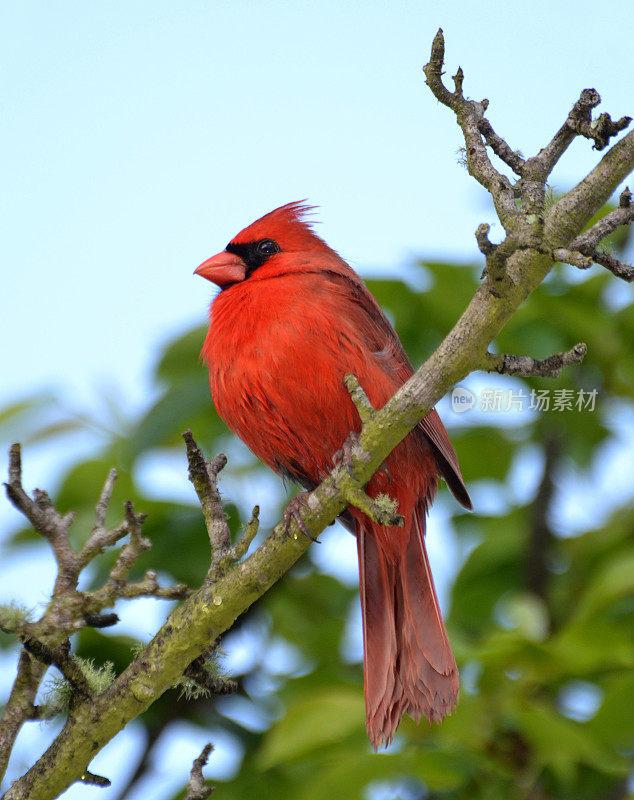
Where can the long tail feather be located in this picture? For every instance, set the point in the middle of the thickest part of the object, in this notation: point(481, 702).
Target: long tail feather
point(408, 663)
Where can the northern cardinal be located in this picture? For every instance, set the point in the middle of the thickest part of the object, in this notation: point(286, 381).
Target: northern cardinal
point(291, 319)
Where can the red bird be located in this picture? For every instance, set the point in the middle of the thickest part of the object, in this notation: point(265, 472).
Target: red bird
point(291, 319)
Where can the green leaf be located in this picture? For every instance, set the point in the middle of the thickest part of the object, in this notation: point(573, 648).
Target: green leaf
point(326, 717)
point(562, 744)
point(615, 580)
point(346, 772)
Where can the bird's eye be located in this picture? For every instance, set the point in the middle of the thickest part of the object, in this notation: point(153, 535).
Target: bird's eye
point(267, 247)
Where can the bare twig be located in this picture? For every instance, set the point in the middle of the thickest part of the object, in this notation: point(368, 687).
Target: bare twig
point(501, 149)
point(100, 620)
point(99, 539)
point(470, 113)
point(602, 129)
point(65, 663)
point(91, 779)
point(133, 548)
point(525, 366)
point(44, 518)
point(239, 550)
point(204, 476)
point(19, 707)
point(486, 247)
point(216, 684)
point(104, 499)
point(578, 123)
point(196, 788)
point(115, 589)
point(587, 242)
point(623, 271)
point(581, 111)
point(69, 609)
point(149, 587)
point(382, 514)
point(363, 405)
point(616, 267)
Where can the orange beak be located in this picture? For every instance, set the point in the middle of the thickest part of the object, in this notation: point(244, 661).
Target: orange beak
point(222, 269)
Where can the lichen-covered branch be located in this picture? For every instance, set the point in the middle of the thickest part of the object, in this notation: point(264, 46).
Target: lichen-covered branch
point(360, 399)
point(514, 268)
point(241, 547)
point(204, 476)
point(525, 366)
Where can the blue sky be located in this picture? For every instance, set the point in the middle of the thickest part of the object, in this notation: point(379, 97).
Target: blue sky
point(138, 137)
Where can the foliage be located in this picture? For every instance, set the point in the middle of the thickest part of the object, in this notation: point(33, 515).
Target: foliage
point(520, 730)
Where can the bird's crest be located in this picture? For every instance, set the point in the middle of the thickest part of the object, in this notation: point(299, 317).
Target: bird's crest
point(286, 225)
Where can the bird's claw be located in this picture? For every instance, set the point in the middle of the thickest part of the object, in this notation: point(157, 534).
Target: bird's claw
point(291, 512)
point(344, 454)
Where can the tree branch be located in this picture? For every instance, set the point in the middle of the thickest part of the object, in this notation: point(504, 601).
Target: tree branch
point(241, 547)
point(500, 147)
point(91, 779)
point(580, 113)
point(470, 114)
point(525, 366)
point(69, 609)
point(572, 212)
point(65, 663)
point(572, 257)
point(587, 242)
point(486, 247)
point(20, 705)
point(204, 476)
point(196, 786)
point(45, 520)
point(360, 399)
point(616, 267)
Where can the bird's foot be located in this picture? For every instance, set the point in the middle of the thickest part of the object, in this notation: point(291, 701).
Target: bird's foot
point(344, 456)
point(292, 512)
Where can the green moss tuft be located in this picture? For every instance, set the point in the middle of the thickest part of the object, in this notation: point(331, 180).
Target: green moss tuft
point(58, 691)
point(13, 616)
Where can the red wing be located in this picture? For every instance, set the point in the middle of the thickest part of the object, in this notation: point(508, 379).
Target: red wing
point(382, 339)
